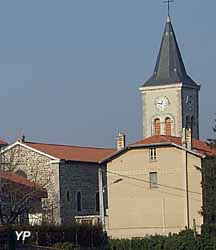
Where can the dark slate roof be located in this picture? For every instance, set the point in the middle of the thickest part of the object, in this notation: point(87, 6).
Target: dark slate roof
point(169, 67)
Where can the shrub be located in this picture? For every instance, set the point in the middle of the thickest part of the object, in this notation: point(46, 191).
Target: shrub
point(65, 246)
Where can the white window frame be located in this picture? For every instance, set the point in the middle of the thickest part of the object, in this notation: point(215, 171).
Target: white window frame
point(152, 154)
point(153, 183)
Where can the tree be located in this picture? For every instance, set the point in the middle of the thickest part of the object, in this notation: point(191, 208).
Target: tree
point(212, 141)
point(18, 196)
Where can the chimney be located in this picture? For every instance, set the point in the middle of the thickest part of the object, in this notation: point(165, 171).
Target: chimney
point(120, 141)
point(183, 138)
point(23, 138)
point(188, 139)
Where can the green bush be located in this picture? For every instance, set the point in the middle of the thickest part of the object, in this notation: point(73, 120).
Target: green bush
point(185, 240)
point(65, 246)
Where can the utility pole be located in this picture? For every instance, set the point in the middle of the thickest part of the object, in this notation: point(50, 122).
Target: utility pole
point(101, 198)
point(187, 206)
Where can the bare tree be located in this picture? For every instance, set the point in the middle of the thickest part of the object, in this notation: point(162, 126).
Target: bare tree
point(20, 197)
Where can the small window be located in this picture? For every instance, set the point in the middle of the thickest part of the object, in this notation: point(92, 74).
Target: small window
point(68, 196)
point(97, 202)
point(152, 154)
point(21, 173)
point(168, 126)
point(188, 122)
point(157, 127)
point(192, 126)
point(79, 205)
point(153, 180)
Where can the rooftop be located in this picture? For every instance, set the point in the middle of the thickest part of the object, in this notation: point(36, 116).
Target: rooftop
point(169, 68)
point(73, 153)
point(21, 181)
point(197, 145)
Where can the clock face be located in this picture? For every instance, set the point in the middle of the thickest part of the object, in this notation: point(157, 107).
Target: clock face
point(161, 103)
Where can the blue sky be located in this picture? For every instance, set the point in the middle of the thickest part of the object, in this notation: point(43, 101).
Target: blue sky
point(70, 70)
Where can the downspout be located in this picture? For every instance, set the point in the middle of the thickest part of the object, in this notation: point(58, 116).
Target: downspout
point(187, 193)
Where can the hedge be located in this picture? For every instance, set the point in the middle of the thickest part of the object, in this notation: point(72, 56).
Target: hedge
point(185, 240)
point(78, 234)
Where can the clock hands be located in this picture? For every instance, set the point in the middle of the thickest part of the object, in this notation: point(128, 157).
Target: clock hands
point(160, 103)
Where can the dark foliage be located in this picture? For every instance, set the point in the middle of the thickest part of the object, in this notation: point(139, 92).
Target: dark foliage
point(212, 141)
point(77, 234)
point(185, 240)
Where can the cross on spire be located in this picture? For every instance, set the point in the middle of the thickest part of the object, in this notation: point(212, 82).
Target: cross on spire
point(168, 5)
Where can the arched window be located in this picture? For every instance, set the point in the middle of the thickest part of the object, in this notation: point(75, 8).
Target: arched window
point(157, 126)
point(188, 122)
point(79, 201)
point(97, 202)
point(168, 126)
point(192, 126)
point(68, 195)
point(21, 173)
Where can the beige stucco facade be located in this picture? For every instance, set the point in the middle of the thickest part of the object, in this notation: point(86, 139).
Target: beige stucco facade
point(135, 209)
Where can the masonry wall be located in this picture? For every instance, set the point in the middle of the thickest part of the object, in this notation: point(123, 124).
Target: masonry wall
point(39, 169)
point(177, 110)
point(150, 112)
point(78, 177)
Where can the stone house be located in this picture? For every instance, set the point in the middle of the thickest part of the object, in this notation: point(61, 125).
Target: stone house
point(68, 173)
point(20, 198)
point(154, 186)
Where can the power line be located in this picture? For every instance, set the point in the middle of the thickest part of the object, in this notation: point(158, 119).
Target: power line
point(163, 192)
point(155, 190)
point(145, 181)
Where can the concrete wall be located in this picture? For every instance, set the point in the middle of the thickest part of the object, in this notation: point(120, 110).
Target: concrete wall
point(135, 209)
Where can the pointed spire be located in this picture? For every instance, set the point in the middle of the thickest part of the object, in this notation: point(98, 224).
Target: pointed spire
point(169, 67)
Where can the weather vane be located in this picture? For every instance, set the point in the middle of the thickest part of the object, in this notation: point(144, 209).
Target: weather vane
point(168, 5)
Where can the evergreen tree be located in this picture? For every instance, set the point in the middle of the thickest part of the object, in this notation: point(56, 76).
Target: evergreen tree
point(212, 141)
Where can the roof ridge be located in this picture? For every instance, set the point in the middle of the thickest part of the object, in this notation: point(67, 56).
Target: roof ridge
point(65, 145)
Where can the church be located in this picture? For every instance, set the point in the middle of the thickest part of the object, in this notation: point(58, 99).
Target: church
point(154, 184)
point(170, 98)
point(151, 186)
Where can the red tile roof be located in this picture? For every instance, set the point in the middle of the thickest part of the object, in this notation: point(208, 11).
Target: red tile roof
point(74, 153)
point(3, 143)
point(16, 179)
point(197, 145)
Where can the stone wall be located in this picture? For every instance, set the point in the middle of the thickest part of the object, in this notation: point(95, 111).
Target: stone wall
point(78, 177)
point(39, 169)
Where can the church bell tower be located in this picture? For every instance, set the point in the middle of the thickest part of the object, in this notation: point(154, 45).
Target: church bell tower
point(170, 98)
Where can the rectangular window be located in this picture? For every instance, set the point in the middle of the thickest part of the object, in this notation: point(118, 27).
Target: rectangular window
point(152, 154)
point(153, 180)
